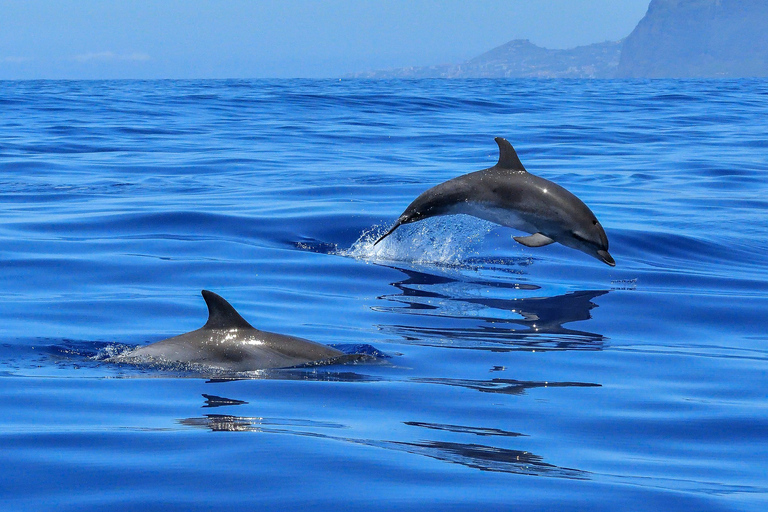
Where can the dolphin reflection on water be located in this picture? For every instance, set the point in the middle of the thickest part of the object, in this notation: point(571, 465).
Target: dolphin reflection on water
point(521, 316)
point(477, 456)
point(508, 195)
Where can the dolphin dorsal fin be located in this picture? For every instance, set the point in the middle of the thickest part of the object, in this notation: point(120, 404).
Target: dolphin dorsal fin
point(221, 314)
point(507, 157)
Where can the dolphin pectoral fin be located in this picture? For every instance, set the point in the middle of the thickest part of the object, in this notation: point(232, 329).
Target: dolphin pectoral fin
point(534, 240)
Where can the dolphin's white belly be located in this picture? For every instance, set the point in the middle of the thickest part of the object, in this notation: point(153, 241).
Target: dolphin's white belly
point(492, 213)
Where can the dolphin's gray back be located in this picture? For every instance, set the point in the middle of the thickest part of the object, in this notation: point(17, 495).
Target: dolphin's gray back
point(480, 186)
point(510, 197)
point(233, 349)
point(493, 188)
point(228, 342)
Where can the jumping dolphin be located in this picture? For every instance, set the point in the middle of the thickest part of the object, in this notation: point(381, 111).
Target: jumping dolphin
point(509, 195)
point(228, 342)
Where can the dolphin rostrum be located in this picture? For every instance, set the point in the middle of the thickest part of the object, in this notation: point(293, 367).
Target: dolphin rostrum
point(509, 195)
point(228, 342)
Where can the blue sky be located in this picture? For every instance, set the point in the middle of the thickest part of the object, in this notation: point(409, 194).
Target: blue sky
point(284, 38)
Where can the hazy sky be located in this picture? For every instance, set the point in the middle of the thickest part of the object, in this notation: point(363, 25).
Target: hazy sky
point(284, 38)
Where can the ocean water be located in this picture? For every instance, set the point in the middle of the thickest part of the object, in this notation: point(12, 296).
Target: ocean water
point(514, 378)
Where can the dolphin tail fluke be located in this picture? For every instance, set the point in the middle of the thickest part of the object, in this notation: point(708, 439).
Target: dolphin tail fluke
point(385, 235)
point(508, 158)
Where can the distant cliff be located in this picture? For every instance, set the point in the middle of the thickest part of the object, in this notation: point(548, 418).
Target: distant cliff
point(521, 59)
point(675, 39)
point(698, 38)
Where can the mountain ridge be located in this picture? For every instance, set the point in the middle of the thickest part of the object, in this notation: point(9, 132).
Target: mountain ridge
point(675, 39)
point(520, 58)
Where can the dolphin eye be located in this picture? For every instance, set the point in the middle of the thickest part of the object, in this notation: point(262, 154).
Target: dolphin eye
point(594, 222)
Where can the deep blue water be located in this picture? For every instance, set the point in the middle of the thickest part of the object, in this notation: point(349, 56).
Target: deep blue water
point(518, 379)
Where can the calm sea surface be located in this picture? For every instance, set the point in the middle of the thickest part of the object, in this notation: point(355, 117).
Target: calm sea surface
point(517, 378)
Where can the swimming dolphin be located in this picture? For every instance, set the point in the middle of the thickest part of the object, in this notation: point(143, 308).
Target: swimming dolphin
point(228, 342)
point(509, 195)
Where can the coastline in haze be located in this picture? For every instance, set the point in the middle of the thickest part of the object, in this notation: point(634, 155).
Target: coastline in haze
point(675, 39)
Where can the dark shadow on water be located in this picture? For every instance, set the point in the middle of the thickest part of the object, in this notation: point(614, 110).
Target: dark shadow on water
point(501, 386)
point(461, 429)
point(219, 401)
point(517, 318)
point(490, 458)
point(471, 455)
point(504, 386)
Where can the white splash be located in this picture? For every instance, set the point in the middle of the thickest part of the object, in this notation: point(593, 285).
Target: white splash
point(448, 240)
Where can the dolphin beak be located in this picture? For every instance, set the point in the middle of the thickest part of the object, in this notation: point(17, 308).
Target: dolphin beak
point(606, 258)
